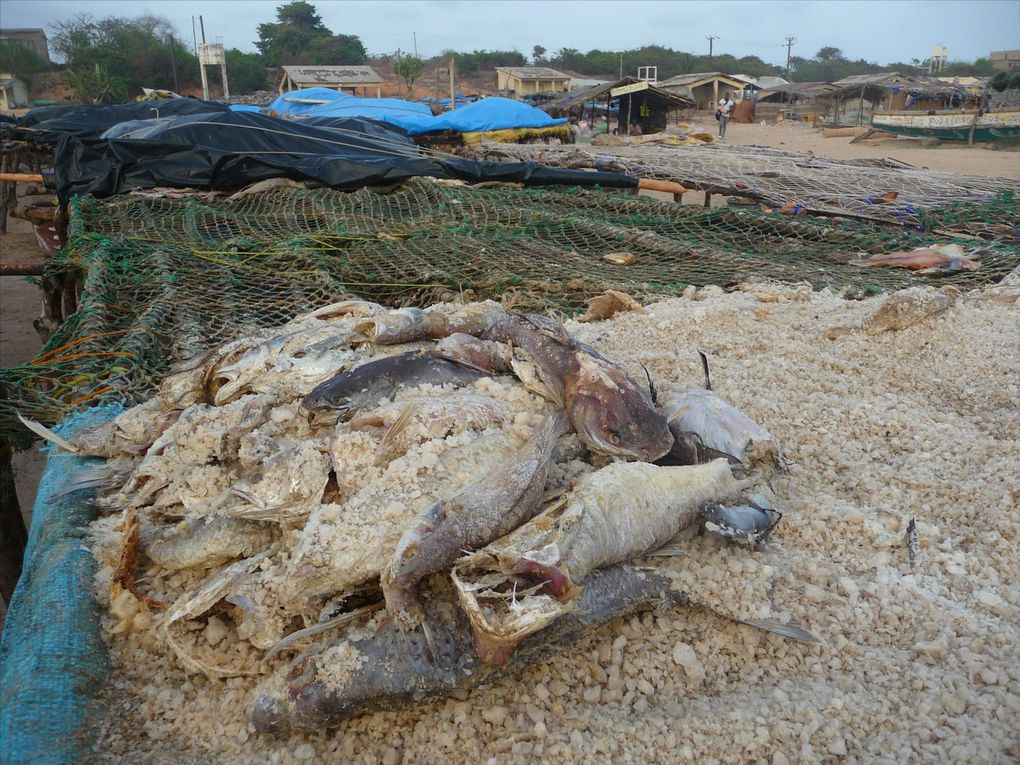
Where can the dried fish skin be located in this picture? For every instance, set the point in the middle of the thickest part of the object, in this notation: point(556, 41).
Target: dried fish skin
point(722, 428)
point(404, 325)
point(485, 510)
point(613, 515)
point(205, 541)
point(393, 670)
point(469, 351)
point(901, 310)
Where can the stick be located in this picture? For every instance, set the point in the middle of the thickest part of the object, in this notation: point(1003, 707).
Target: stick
point(21, 177)
point(668, 186)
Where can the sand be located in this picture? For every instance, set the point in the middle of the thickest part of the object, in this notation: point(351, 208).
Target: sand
point(918, 663)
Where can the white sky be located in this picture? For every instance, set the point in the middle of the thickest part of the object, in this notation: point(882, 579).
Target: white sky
point(876, 30)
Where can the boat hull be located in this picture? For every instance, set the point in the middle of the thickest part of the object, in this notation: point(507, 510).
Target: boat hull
point(955, 126)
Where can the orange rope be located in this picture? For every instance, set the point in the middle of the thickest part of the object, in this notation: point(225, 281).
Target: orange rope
point(100, 392)
point(80, 340)
point(74, 356)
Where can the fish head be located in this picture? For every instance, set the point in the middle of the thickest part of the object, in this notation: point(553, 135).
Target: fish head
point(624, 425)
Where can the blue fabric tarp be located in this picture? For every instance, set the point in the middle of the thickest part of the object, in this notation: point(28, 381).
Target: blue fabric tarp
point(393, 111)
point(292, 104)
point(52, 658)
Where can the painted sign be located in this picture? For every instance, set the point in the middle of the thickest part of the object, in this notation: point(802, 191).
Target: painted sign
point(625, 89)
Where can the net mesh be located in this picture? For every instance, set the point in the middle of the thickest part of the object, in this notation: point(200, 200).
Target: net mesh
point(860, 187)
point(161, 278)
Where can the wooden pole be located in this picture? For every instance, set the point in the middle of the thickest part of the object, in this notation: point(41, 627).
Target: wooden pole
point(453, 93)
point(173, 61)
point(20, 269)
point(649, 184)
point(21, 177)
point(860, 108)
point(973, 125)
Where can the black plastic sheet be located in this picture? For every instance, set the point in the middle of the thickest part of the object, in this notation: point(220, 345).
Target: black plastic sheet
point(233, 149)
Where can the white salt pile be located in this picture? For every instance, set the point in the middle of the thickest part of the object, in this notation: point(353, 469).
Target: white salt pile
point(918, 663)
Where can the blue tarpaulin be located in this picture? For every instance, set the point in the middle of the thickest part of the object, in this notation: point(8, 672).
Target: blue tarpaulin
point(290, 104)
point(52, 658)
point(416, 118)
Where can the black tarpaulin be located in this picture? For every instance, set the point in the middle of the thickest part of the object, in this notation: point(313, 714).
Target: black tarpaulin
point(54, 122)
point(233, 149)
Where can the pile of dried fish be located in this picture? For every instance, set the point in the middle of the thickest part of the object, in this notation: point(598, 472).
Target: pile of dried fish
point(373, 507)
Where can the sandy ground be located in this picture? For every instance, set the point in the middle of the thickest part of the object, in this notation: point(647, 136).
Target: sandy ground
point(19, 300)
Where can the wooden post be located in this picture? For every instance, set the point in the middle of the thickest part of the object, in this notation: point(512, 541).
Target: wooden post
point(973, 125)
point(453, 93)
point(629, 99)
point(708, 199)
point(3, 192)
point(860, 108)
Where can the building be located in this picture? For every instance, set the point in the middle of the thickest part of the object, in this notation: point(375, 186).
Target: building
point(13, 92)
point(344, 78)
point(517, 81)
point(33, 39)
point(636, 104)
point(704, 88)
point(1005, 60)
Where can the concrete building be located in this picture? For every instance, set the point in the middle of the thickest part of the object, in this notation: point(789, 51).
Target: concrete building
point(13, 92)
point(704, 88)
point(348, 78)
point(517, 81)
point(1005, 60)
point(34, 39)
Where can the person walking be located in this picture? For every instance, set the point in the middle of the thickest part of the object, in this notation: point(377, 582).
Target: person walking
point(723, 113)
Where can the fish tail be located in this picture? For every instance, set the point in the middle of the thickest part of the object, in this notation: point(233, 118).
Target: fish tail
point(41, 430)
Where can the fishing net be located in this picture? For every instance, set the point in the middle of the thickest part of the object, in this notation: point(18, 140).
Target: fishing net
point(164, 276)
point(879, 189)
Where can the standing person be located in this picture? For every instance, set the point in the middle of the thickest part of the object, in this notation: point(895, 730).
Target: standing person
point(723, 110)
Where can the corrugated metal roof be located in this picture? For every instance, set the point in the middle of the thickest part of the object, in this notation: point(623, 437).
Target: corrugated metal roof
point(533, 72)
point(333, 75)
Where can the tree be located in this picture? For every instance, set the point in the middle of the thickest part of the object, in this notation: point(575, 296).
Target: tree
point(409, 67)
point(537, 53)
point(111, 59)
point(828, 53)
point(300, 37)
point(245, 71)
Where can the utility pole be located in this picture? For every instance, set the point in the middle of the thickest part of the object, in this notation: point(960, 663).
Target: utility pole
point(173, 61)
point(201, 25)
point(711, 39)
point(790, 40)
point(415, 36)
point(194, 36)
point(621, 66)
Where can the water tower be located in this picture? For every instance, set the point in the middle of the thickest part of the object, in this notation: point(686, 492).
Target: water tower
point(938, 59)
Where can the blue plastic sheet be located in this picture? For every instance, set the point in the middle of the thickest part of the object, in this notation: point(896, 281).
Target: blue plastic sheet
point(52, 658)
point(414, 117)
point(289, 104)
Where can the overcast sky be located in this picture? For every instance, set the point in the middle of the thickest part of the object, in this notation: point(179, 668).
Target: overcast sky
point(875, 30)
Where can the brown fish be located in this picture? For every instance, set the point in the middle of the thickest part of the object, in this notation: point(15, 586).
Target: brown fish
point(610, 411)
point(468, 350)
point(946, 258)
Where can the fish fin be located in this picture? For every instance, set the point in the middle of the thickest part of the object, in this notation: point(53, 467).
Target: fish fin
point(89, 478)
point(704, 367)
point(41, 430)
point(791, 630)
point(315, 629)
point(398, 427)
point(652, 390)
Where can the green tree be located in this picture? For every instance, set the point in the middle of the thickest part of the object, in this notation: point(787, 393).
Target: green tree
point(409, 67)
point(113, 58)
point(537, 53)
point(829, 53)
point(300, 37)
point(245, 71)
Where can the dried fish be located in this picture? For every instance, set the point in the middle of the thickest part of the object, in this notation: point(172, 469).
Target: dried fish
point(485, 510)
